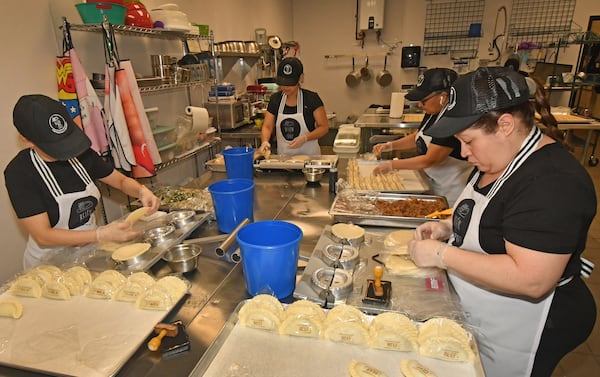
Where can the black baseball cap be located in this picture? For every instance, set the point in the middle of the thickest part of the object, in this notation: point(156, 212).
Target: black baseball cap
point(47, 124)
point(477, 93)
point(289, 72)
point(432, 80)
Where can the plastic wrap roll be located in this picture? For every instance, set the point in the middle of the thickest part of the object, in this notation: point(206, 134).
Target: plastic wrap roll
point(199, 118)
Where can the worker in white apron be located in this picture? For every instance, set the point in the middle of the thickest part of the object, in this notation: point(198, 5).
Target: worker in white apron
point(439, 159)
point(76, 209)
point(298, 124)
point(291, 126)
point(513, 251)
point(51, 183)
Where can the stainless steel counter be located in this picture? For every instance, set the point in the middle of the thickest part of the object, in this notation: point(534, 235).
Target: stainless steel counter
point(218, 286)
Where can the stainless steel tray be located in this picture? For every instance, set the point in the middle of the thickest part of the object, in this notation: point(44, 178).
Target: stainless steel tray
point(243, 351)
point(344, 211)
point(297, 162)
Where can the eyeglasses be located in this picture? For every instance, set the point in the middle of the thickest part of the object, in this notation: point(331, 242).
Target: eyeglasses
point(428, 97)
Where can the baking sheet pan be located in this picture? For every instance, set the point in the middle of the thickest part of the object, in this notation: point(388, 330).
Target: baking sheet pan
point(296, 162)
point(77, 337)
point(413, 181)
point(342, 211)
point(241, 351)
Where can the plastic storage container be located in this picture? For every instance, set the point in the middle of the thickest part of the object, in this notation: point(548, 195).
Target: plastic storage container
point(92, 13)
point(164, 135)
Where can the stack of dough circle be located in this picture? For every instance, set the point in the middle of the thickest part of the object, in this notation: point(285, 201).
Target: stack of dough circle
point(360, 369)
point(131, 251)
point(346, 324)
point(444, 339)
point(348, 232)
point(302, 318)
point(261, 312)
point(413, 368)
point(136, 215)
point(393, 331)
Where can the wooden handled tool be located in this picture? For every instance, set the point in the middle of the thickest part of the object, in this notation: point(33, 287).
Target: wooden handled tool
point(378, 274)
point(162, 329)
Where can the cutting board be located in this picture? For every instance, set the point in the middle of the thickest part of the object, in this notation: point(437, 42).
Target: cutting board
point(78, 337)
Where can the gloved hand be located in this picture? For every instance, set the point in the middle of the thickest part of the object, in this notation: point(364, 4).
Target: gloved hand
point(383, 167)
point(117, 231)
point(298, 141)
point(265, 147)
point(378, 149)
point(148, 199)
point(427, 253)
point(435, 230)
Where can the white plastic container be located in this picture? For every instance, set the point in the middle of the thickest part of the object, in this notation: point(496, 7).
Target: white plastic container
point(347, 141)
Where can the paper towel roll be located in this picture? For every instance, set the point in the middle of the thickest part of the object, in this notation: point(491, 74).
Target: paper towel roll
point(397, 105)
point(199, 118)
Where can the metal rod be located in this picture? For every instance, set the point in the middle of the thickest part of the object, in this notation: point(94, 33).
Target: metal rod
point(229, 242)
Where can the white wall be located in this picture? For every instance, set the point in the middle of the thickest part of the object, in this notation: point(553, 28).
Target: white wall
point(31, 40)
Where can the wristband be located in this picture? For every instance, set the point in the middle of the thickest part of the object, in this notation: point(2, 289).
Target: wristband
point(441, 250)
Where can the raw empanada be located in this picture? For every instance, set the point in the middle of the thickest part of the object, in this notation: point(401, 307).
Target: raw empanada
point(26, 286)
point(142, 278)
point(155, 298)
point(174, 285)
point(346, 313)
point(446, 348)
point(13, 309)
point(114, 277)
point(270, 301)
point(259, 316)
point(305, 308)
point(56, 291)
point(413, 368)
point(73, 281)
point(82, 272)
point(351, 332)
point(443, 327)
point(301, 325)
point(129, 292)
point(360, 369)
point(102, 289)
point(398, 238)
point(399, 264)
point(54, 271)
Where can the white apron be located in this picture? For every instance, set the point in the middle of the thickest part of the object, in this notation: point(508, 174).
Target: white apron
point(290, 126)
point(450, 176)
point(508, 329)
point(75, 210)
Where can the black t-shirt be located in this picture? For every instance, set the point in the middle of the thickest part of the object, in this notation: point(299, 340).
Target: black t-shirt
point(30, 196)
point(311, 100)
point(547, 204)
point(450, 142)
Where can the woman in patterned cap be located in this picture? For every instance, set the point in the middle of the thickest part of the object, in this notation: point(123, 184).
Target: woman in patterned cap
point(439, 158)
point(518, 229)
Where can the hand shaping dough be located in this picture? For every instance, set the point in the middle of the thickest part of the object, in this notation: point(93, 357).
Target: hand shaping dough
point(398, 238)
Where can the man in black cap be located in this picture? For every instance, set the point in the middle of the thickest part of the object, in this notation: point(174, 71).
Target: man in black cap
point(297, 115)
point(439, 158)
point(518, 228)
point(51, 182)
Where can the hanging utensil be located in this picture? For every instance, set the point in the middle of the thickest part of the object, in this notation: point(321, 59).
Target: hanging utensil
point(365, 72)
point(353, 78)
point(384, 78)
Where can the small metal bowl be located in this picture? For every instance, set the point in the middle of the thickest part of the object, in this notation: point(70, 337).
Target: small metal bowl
point(182, 257)
point(181, 218)
point(158, 235)
point(313, 175)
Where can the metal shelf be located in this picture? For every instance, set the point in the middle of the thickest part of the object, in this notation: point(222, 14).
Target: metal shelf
point(224, 54)
point(141, 31)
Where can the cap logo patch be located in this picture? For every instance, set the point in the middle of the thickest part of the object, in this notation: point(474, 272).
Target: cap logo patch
point(420, 80)
point(508, 87)
point(57, 124)
point(451, 99)
point(287, 69)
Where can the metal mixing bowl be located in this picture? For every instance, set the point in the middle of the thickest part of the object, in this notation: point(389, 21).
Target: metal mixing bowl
point(313, 174)
point(181, 218)
point(158, 235)
point(182, 257)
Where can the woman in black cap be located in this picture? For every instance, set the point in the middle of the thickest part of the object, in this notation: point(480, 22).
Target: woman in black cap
point(51, 182)
point(298, 115)
point(518, 229)
point(439, 158)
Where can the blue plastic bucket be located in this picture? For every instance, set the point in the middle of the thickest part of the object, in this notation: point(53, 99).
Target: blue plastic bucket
point(239, 162)
point(270, 252)
point(233, 200)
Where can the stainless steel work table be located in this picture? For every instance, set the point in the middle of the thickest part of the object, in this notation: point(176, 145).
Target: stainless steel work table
point(218, 286)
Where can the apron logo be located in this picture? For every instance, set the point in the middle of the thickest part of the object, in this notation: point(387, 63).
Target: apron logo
point(290, 129)
point(57, 124)
point(81, 211)
point(287, 69)
point(461, 218)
